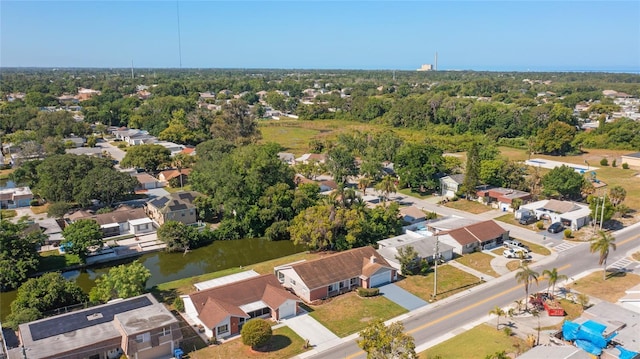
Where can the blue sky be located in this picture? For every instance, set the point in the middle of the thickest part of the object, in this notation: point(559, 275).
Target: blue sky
point(477, 35)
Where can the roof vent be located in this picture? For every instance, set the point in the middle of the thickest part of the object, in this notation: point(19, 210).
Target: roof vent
point(372, 259)
point(94, 316)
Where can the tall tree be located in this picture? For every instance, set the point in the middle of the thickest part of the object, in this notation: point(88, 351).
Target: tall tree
point(601, 245)
point(387, 186)
point(387, 342)
point(417, 166)
point(525, 276)
point(177, 235)
point(408, 258)
point(42, 294)
point(472, 171)
point(341, 164)
point(148, 157)
point(556, 138)
point(553, 277)
point(563, 181)
point(18, 253)
point(107, 185)
point(617, 195)
point(123, 281)
point(80, 236)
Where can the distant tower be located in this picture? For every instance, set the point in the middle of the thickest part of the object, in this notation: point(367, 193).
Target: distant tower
point(131, 69)
point(435, 67)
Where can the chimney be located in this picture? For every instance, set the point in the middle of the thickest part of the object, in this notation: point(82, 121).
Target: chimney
point(372, 259)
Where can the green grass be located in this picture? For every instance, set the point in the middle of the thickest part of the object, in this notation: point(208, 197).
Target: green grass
point(177, 189)
point(478, 261)
point(451, 280)
point(53, 261)
point(348, 313)
point(8, 213)
point(4, 174)
point(285, 343)
point(476, 343)
point(407, 192)
point(468, 206)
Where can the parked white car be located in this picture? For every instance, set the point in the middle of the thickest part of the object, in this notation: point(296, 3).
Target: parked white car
point(515, 253)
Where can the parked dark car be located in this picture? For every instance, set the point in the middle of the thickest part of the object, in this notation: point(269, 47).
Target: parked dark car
point(555, 227)
point(527, 219)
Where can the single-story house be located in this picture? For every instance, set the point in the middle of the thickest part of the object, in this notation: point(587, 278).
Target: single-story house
point(15, 197)
point(571, 214)
point(177, 206)
point(412, 214)
point(174, 148)
point(137, 327)
point(74, 141)
point(632, 159)
point(424, 246)
point(311, 158)
point(631, 300)
point(146, 181)
point(87, 151)
point(178, 176)
point(288, 158)
point(501, 198)
point(438, 225)
point(50, 227)
point(121, 220)
point(222, 310)
point(450, 185)
point(467, 239)
point(336, 273)
point(325, 185)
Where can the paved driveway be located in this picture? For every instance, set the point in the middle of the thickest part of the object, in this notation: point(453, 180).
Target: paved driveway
point(308, 328)
point(401, 297)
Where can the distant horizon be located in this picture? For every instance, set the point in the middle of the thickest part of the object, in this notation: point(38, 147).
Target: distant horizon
point(480, 35)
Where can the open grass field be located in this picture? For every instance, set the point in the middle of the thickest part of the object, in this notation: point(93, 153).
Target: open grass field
point(451, 280)
point(610, 289)
point(284, 343)
point(478, 261)
point(348, 313)
point(468, 206)
point(476, 343)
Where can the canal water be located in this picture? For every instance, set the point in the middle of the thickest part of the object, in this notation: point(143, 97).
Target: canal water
point(166, 267)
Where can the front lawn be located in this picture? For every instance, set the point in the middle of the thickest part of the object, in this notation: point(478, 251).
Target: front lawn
point(408, 192)
point(611, 289)
point(479, 342)
point(348, 313)
point(478, 261)
point(536, 248)
point(8, 213)
point(451, 280)
point(284, 343)
point(40, 209)
point(468, 206)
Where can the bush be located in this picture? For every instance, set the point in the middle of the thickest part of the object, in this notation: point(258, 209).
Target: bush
point(625, 166)
point(507, 331)
point(34, 203)
point(604, 162)
point(368, 292)
point(539, 225)
point(567, 233)
point(178, 303)
point(256, 333)
point(613, 163)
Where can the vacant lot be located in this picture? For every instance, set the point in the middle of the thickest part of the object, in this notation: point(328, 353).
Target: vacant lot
point(610, 289)
point(479, 261)
point(468, 206)
point(284, 343)
point(349, 313)
point(479, 342)
point(451, 280)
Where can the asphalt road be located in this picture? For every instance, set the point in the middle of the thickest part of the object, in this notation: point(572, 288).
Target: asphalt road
point(448, 315)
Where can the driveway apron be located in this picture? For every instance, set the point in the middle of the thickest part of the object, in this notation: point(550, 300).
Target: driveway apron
point(401, 297)
point(310, 329)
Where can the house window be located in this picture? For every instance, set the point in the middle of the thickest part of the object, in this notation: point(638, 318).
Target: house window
point(353, 281)
point(341, 285)
point(145, 337)
point(331, 287)
point(223, 329)
point(166, 330)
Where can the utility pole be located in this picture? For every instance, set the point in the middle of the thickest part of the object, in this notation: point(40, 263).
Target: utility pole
point(595, 219)
point(436, 255)
point(604, 199)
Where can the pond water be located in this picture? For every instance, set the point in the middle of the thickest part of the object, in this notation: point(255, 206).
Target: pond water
point(166, 267)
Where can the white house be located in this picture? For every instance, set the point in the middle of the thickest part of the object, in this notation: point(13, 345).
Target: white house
point(423, 245)
point(571, 214)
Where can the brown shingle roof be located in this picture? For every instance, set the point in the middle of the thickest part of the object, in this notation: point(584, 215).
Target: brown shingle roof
point(171, 174)
point(478, 232)
point(119, 215)
point(559, 206)
point(412, 211)
point(337, 267)
point(217, 303)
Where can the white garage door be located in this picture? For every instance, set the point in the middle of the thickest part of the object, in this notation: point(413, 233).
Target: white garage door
point(288, 309)
point(380, 279)
point(450, 194)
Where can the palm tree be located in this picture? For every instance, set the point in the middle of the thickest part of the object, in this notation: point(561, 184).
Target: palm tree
point(386, 186)
point(525, 276)
point(363, 183)
point(499, 312)
point(601, 245)
point(553, 277)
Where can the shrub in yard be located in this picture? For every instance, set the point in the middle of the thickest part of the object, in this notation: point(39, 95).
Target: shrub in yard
point(567, 233)
point(604, 162)
point(178, 303)
point(625, 166)
point(368, 292)
point(539, 225)
point(34, 202)
point(583, 300)
point(613, 163)
point(256, 333)
point(507, 331)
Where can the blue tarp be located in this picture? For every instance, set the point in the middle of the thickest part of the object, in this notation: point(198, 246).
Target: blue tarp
point(588, 347)
point(626, 354)
point(570, 330)
point(587, 336)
